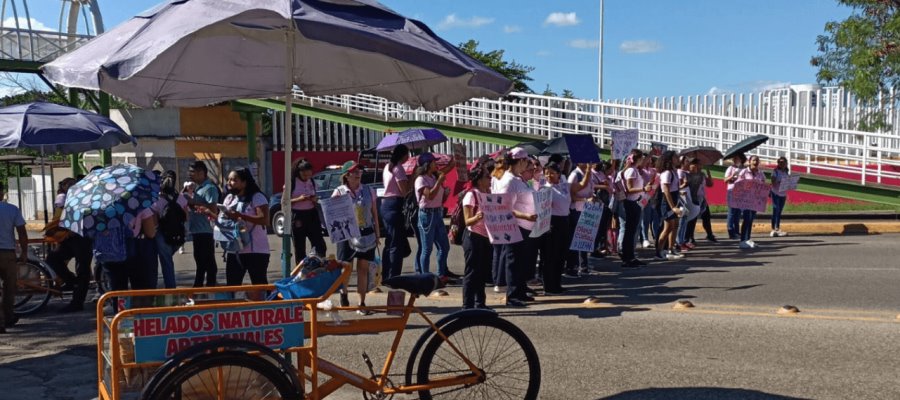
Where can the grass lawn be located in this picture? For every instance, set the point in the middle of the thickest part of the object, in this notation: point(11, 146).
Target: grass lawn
point(821, 207)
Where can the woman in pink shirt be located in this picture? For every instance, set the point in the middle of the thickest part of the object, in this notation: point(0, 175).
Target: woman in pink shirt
point(429, 188)
point(477, 248)
point(751, 172)
point(306, 223)
point(396, 188)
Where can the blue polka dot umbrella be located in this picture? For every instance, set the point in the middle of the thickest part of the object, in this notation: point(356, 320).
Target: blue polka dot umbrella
point(109, 198)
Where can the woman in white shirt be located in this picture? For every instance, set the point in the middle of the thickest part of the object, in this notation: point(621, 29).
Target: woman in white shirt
point(633, 185)
point(669, 211)
point(554, 243)
point(581, 189)
point(518, 258)
point(733, 220)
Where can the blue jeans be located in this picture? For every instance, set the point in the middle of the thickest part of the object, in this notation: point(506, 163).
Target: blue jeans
point(747, 225)
point(395, 242)
point(433, 232)
point(166, 263)
point(681, 236)
point(733, 222)
point(777, 208)
point(649, 228)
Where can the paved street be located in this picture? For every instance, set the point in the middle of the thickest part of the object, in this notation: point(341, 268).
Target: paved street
point(633, 345)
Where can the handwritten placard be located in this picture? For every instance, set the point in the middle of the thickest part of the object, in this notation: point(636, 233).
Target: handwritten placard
point(586, 229)
point(459, 155)
point(657, 148)
point(542, 207)
point(749, 194)
point(340, 218)
point(624, 142)
point(789, 183)
point(498, 218)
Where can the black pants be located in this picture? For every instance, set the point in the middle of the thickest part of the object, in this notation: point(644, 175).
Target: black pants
point(632, 219)
point(554, 243)
point(139, 271)
point(310, 228)
point(478, 254)
point(396, 245)
point(574, 259)
point(498, 274)
point(205, 259)
point(238, 265)
point(519, 261)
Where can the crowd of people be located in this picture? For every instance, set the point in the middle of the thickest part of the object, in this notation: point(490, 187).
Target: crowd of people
point(649, 201)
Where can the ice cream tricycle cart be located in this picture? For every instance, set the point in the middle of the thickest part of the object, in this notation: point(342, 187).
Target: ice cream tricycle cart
point(238, 343)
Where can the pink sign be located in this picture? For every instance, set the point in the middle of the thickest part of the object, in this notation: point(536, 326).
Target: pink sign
point(749, 194)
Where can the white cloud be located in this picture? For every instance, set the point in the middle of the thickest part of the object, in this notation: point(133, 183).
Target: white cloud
point(640, 46)
point(562, 19)
point(23, 24)
point(543, 53)
point(512, 29)
point(584, 44)
point(715, 90)
point(452, 21)
point(762, 86)
point(748, 87)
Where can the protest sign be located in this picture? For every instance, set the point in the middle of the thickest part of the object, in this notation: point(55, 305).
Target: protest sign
point(498, 218)
point(340, 218)
point(582, 149)
point(159, 336)
point(789, 183)
point(586, 229)
point(542, 199)
point(749, 194)
point(657, 148)
point(459, 155)
point(624, 142)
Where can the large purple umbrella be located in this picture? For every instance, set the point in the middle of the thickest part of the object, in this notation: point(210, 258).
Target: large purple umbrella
point(413, 138)
point(53, 128)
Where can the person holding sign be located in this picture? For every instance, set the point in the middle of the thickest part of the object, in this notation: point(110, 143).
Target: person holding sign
point(669, 211)
point(751, 172)
point(246, 205)
point(306, 224)
point(429, 186)
point(581, 189)
point(555, 242)
point(361, 248)
point(518, 257)
point(733, 220)
point(396, 187)
point(632, 185)
point(477, 248)
point(779, 197)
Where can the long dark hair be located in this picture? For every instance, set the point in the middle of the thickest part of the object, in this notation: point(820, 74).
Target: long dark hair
point(398, 154)
point(666, 161)
point(167, 184)
point(299, 166)
point(787, 167)
point(251, 188)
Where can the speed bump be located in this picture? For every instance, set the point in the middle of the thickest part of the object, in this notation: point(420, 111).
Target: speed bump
point(592, 300)
point(788, 310)
point(683, 305)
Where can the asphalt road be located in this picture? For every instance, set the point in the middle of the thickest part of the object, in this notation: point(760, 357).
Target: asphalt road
point(633, 344)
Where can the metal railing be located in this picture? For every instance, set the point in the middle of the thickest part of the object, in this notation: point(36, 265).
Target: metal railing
point(37, 46)
point(816, 136)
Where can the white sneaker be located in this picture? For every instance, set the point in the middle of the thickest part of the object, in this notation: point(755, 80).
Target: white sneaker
point(497, 289)
point(773, 233)
point(672, 256)
point(781, 233)
point(181, 250)
point(679, 255)
point(745, 245)
point(752, 244)
point(646, 244)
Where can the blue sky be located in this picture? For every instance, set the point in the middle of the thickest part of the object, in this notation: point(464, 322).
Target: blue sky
point(651, 47)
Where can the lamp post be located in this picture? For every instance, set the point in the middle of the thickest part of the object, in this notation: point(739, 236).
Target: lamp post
point(600, 58)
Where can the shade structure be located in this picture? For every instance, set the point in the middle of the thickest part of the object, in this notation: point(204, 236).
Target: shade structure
point(414, 138)
point(53, 128)
point(197, 52)
point(707, 155)
point(745, 145)
point(186, 53)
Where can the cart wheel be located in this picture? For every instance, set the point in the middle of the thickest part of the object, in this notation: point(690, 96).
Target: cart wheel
point(226, 375)
point(33, 288)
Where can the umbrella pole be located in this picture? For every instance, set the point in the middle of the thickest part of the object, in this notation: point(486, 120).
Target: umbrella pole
point(44, 186)
point(288, 153)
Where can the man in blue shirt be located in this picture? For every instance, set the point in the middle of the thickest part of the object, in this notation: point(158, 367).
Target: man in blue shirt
point(205, 194)
point(11, 223)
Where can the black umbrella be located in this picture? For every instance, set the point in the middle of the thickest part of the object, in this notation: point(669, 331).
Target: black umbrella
point(746, 145)
point(556, 146)
point(707, 155)
point(533, 148)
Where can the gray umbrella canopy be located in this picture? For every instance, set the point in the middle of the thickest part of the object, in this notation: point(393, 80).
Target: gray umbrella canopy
point(198, 52)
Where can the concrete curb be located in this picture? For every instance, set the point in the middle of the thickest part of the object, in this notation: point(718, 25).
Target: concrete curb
point(818, 227)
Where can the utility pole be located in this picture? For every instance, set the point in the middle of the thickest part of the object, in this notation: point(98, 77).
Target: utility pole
point(600, 58)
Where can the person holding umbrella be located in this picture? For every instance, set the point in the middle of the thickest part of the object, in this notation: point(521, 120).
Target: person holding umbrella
point(429, 189)
point(733, 219)
point(396, 187)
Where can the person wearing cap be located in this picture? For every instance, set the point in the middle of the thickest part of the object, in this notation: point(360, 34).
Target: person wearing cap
point(362, 248)
point(518, 258)
point(396, 188)
point(429, 187)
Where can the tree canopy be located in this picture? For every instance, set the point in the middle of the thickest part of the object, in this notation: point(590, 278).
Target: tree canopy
point(493, 59)
point(862, 54)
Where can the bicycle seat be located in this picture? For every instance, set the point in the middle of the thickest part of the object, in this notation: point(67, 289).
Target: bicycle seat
point(417, 284)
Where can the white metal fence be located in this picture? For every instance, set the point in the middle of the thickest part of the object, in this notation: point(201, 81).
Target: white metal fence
point(811, 128)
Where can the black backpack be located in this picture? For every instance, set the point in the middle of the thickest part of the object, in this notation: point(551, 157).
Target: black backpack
point(411, 213)
point(171, 223)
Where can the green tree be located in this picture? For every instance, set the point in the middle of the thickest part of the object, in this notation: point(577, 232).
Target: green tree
point(493, 59)
point(568, 94)
point(549, 92)
point(862, 54)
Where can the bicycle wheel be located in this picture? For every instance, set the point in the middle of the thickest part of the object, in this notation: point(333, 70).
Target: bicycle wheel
point(223, 376)
point(33, 288)
point(496, 346)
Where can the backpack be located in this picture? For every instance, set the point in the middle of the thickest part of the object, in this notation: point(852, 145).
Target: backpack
point(458, 220)
point(411, 213)
point(113, 245)
point(171, 223)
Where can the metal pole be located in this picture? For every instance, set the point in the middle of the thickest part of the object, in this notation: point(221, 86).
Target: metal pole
point(600, 58)
point(288, 133)
point(44, 186)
